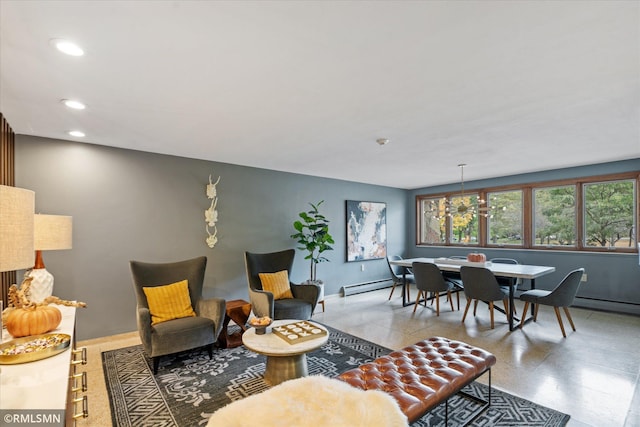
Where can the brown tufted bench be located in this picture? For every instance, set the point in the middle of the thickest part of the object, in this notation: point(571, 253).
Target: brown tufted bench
point(423, 375)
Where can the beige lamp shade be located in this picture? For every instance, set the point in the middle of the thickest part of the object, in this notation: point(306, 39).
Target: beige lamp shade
point(52, 232)
point(16, 228)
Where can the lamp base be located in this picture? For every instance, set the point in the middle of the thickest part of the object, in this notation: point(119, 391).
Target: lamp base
point(41, 285)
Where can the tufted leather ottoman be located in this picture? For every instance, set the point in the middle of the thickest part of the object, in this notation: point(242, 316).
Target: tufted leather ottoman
point(423, 375)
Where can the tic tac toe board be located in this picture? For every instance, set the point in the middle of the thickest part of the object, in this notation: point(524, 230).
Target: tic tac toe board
point(298, 331)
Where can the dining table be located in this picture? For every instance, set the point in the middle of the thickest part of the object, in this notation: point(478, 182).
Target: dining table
point(514, 271)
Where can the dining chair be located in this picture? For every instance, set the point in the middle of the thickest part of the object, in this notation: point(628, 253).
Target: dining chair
point(481, 285)
point(429, 279)
point(561, 296)
point(454, 278)
point(506, 282)
point(396, 275)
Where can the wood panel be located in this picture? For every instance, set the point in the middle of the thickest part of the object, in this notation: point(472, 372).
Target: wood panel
point(7, 177)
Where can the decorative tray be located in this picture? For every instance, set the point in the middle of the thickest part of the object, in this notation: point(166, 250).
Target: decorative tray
point(454, 261)
point(298, 331)
point(32, 348)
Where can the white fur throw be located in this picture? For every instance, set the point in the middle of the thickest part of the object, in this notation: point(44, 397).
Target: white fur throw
point(313, 401)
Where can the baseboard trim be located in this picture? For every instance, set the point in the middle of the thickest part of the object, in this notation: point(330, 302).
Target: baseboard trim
point(372, 285)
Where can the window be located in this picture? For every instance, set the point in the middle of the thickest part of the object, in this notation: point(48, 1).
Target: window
point(609, 212)
point(433, 221)
point(463, 219)
point(555, 216)
point(504, 221)
point(594, 213)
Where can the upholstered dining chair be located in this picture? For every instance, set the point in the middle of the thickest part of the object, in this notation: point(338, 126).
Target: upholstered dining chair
point(454, 278)
point(561, 296)
point(172, 316)
point(298, 304)
point(396, 275)
point(429, 279)
point(481, 285)
point(505, 282)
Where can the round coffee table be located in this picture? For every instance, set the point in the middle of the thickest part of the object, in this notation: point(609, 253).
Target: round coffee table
point(284, 361)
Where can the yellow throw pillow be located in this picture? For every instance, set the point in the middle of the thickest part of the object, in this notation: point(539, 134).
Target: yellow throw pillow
point(277, 284)
point(169, 302)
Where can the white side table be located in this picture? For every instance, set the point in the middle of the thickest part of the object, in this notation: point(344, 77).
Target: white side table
point(284, 361)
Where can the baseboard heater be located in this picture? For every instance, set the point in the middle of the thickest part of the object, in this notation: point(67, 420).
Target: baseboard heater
point(372, 285)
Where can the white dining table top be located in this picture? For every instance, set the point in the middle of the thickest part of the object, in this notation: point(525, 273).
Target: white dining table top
point(522, 271)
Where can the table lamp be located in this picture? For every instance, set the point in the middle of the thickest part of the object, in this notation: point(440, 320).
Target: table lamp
point(51, 232)
point(16, 230)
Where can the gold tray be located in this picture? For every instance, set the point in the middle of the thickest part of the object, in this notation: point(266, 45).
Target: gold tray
point(39, 354)
point(298, 331)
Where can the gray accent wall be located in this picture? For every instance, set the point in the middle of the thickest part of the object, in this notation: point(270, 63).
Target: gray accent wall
point(131, 205)
point(613, 280)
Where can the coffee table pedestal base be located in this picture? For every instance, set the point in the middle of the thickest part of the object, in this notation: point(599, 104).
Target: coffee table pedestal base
point(282, 368)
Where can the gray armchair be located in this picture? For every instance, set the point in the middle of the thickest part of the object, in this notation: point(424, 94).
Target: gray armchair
point(183, 334)
point(305, 297)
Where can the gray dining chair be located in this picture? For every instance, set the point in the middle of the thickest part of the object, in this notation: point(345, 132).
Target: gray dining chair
point(506, 282)
point(454, 278)
point(396, 275)
point(481, 285)
point(429, 279)
point(561, 296)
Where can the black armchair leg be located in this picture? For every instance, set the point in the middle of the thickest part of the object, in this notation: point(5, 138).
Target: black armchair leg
point(156, 363)
point(210, 351)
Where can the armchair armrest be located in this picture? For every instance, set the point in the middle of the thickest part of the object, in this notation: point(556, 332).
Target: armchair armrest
point(214, 309)
point(306, 292)
point(143, 319)
point(261, 302)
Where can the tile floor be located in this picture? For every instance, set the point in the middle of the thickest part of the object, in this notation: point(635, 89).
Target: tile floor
point(593, 374)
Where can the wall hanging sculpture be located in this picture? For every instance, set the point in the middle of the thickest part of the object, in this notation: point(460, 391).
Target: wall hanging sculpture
point(211, 214)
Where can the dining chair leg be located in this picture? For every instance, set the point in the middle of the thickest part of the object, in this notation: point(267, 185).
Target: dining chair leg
point(466, 309)
point(526, 307)
point(458, 296)
point(417, 300)
point(393, 288)
point(491, 311)
point(566, 311)
point(451, 299)
point(475, 306)
point(557, 310)
point(437, 298)
point(535, 312)
point(506, 307)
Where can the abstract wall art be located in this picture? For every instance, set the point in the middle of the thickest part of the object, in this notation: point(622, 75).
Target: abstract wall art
point(366, 230)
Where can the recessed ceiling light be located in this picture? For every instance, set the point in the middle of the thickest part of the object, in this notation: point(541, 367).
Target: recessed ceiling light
point(76, 133)
point(68, 47)
point(382, 141)
point(76, 105)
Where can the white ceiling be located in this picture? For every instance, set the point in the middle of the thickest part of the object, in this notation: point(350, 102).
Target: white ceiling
point(308, 86)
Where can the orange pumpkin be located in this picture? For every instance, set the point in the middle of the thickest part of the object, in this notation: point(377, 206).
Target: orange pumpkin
point(22, 322)
point(476, 257)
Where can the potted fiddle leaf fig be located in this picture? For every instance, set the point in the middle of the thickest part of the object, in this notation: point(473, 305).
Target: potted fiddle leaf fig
point(313, 236)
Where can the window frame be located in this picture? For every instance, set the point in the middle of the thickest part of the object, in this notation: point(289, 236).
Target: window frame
point(528, 214)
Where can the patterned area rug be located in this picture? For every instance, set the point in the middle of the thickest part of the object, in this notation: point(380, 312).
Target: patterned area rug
point(189, 387)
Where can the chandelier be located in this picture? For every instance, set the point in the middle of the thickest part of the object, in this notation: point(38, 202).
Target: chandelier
point(460, 204)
